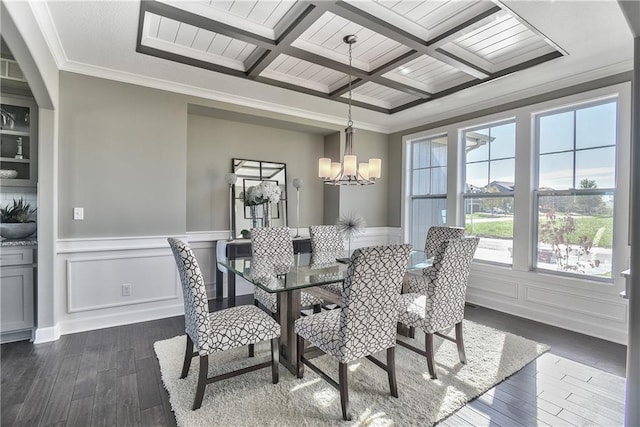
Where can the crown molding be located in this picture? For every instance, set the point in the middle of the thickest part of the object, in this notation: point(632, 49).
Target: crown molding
point(422, 118)
point(152, 82)
point(43, 17)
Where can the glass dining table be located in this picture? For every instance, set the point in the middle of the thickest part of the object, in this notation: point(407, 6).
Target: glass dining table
point(286, 278)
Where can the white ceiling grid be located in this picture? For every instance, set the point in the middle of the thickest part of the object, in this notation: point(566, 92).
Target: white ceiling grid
point(408, 52)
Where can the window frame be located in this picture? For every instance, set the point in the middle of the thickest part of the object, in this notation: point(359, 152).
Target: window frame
point(536, 193)
point(484, 195)
point(428, 196)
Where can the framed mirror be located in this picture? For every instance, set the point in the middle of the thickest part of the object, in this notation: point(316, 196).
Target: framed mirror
point(251, 173)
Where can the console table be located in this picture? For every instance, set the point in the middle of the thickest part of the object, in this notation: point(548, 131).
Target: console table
point(241, 248)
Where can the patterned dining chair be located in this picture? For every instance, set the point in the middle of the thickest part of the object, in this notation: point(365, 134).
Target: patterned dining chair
point(366, 322)
point(210, 333)
point(327, 239)
point(276, 243)
point(441, 305)
point(435, 236)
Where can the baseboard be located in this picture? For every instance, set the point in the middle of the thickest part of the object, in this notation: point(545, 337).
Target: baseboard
point(71, 326)
point(47, 334)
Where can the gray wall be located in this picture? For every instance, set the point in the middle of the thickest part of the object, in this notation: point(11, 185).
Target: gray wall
point(145, 162)
point(213, 142)
point(122, 157)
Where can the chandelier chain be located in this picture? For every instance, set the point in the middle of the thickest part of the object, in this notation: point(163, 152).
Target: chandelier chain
point(350, 122)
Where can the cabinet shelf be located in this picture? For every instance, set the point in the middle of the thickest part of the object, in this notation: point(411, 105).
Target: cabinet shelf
point(18, 135)
point(13, 160)
point(14, 132)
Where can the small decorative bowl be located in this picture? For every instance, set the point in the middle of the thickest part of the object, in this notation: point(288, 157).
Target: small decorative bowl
point(8, 173)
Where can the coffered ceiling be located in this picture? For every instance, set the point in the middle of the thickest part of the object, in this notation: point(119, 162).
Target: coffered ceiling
point(408, 52)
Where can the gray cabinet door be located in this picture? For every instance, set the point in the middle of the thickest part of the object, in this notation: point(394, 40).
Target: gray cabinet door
point(16, 288)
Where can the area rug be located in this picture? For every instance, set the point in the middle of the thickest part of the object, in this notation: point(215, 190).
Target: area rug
point(252, 400)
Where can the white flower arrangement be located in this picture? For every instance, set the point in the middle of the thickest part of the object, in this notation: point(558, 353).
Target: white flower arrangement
point(266, 191)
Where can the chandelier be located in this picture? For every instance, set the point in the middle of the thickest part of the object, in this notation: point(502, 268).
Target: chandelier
point(349, 172)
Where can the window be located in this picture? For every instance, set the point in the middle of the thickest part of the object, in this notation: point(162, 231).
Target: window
point(489, 187)
point(576, 189)
point(428, 186)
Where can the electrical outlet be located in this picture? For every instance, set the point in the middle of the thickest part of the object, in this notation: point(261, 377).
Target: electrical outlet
point(126, 290)
point(78, 214)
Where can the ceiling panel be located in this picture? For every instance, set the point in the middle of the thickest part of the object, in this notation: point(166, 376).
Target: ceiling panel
point(428, 74)
point(371, 51)
point(197, 43)
point(382, 96)
point(407, 52)
point(502, 40)
point(304, 73)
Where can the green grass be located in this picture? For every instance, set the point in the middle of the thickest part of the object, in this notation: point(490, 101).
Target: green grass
point(585, 226)
point(502, 229)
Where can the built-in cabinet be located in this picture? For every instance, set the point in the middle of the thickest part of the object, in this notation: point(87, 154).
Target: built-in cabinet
point(18, 147)
point(17, 287)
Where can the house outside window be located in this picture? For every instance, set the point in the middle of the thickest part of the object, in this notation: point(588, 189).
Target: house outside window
point(489, 189)
point(576, 151)
point(428, 187)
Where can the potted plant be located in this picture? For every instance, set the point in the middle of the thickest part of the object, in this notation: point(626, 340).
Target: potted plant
point(245, 234)
point(16, 220)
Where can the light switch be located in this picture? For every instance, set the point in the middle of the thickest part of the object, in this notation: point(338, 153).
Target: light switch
point(78, 214)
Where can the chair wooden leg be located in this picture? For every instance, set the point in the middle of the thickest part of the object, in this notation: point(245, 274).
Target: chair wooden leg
point(188, 355)
point(428, 340)
point(344, 391)
point(317, 308)
point(275, 360)
point(391, 371)
point(412, 332)
point(202, 382)
point(299, 364)
point(460, 343)
point(251, 350)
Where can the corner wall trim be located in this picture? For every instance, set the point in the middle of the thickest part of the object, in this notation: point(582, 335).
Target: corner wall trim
point(47, 334)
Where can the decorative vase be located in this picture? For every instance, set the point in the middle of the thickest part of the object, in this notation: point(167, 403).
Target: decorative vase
point(266, 214)
point(17, 230)
point(255, 222)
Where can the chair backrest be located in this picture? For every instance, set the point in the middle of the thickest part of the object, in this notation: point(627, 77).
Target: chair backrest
point(326, 238)
point(196, 308)
point(438, 234)
point(272, 242)
point(447, 288)
point(369, 312)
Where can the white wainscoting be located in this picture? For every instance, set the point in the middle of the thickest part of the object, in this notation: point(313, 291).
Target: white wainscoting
point(89, 278)
point(584, 306)
point(91, 272)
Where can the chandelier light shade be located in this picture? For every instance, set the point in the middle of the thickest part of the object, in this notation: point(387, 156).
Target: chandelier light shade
point(349, 172)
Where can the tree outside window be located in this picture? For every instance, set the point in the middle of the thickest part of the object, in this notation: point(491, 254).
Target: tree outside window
point(576, 189)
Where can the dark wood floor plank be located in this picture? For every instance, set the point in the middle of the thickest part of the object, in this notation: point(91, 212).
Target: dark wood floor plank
point(108, 350)
point(494, 414)
point(85, 384)
point(588, 412)
point(60, 398)
point(127, 406)
point(36, 401)
point(148, 387)
point(126, 362)
point(80, 412)
point(104, 404)
point(153, 417)
point(9, 414)
point(615, 413)
point(577, 420)
point(511, 408)
point(475, 418)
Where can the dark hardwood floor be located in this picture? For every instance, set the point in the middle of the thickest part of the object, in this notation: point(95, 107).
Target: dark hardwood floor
point(111, 377)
